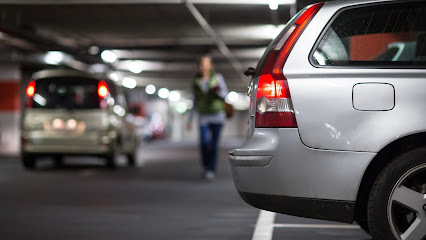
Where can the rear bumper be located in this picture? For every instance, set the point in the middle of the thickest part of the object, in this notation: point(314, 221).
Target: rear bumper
point(66, 149)
point(274, 164)
point(332, 210)
point(89, 144)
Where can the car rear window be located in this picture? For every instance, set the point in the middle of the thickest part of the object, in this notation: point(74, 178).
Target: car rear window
point(378, 35)
point(66, 92)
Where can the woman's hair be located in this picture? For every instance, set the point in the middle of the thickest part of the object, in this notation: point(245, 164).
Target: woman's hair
point(206, 56)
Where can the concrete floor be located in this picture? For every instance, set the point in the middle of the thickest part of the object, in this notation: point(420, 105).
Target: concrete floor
point(163, 198)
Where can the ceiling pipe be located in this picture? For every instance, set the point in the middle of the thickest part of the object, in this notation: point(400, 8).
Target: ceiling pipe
point(238, 67)
point(70, 2)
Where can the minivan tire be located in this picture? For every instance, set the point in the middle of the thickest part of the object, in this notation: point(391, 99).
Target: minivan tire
point(131, 159)
point(388, 218)
point(112, 158)
point(28, 161)
point(58, 161)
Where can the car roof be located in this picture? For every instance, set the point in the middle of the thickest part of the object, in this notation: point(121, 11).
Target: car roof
point(344, 3)
point(50, 73)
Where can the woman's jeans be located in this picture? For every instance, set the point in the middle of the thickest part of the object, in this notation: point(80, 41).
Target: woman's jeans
point(209, 139)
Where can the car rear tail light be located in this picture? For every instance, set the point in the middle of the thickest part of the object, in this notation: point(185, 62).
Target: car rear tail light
point(274, 106)
point(30, 91)
point(103, 90)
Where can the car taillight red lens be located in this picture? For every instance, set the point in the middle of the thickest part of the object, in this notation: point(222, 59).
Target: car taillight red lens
point(31, 89)
point(274, 106)
point(103, 90)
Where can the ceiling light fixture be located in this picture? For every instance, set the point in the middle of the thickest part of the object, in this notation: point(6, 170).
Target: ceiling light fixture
point(114, 76)
point(108, 56)
point(174, 96)
point(135, 67)
point(273, 5)
point(54, 57)
point(93, 50)
point(163, 93)
point(150, 89)
point(129, 82)
point(232, 97)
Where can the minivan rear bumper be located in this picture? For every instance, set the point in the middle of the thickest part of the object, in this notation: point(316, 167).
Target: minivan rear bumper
point(98, 150)
point(274, 166)
point(89, 144)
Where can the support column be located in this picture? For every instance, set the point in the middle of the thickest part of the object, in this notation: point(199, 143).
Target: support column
point(10, 77)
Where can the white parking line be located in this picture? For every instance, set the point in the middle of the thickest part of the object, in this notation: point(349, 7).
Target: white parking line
point(264, 226)
point(335, 226)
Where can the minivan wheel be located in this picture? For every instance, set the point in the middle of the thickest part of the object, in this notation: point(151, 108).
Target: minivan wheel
point(28, 161)
point(59, 161)
point(112, 158)
point(131, 159)
point(397, 203)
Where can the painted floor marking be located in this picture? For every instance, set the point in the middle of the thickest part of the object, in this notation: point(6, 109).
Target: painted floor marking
point(333, 226)
point(264, 226)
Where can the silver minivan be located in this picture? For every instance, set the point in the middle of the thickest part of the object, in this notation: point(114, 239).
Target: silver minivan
point(337, 124)
point(70, 112)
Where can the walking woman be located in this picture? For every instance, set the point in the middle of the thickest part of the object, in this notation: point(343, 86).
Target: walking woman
point(210, 90)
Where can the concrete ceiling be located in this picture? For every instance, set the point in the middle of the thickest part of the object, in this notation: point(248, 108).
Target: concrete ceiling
point(164, 36)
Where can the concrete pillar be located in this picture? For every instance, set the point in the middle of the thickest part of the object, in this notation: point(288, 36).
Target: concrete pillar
point(10, 77)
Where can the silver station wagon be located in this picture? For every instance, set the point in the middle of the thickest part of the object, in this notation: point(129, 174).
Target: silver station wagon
point(70, 112)
point(337, 126)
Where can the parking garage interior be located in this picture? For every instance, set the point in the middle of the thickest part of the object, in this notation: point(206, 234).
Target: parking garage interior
point(150, 48)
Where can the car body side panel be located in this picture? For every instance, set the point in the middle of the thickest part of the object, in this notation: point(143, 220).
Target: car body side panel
point(323, 104)
point(321, 174)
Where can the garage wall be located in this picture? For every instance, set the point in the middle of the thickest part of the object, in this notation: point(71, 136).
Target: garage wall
point(9, 109)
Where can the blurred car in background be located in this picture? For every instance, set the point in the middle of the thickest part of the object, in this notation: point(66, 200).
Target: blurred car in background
point(337, 127)
point(70, 112)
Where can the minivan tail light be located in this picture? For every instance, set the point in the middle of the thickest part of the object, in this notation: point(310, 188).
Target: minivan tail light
point(274, 106)
point(103, 90)
point(31, 89)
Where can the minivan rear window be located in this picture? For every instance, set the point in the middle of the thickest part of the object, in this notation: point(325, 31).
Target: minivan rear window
point(66, 92)
point(384, 36)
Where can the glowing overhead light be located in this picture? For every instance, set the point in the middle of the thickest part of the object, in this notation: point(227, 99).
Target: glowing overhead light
point(135, 67)
point(163, 93)
point(273, 5)
point(174, 96)
point(244, 2)
point(93, 50)
point(119, 110)
point(108, 56)
point(181, 107)
point(129, 82)
point(150, 89)
point(232, 96)
point(54, 57)
point(114, 76)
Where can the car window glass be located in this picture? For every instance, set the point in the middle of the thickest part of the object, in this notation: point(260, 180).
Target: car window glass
point(66, 92)
point(385, 35)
